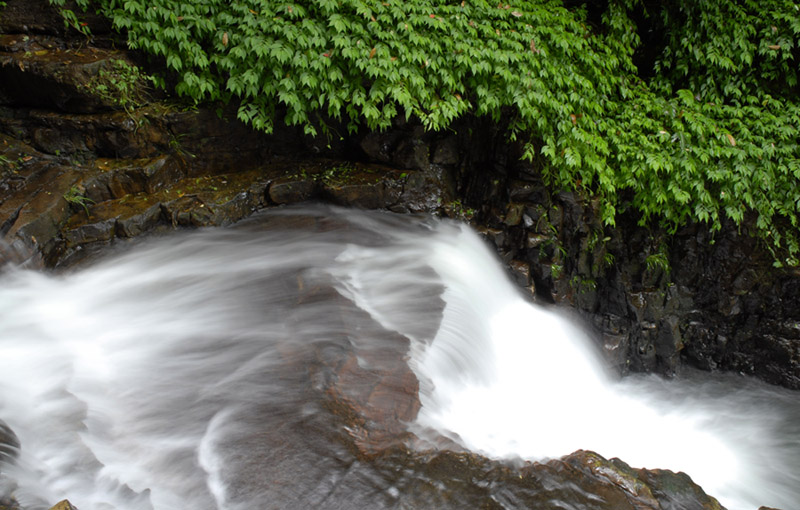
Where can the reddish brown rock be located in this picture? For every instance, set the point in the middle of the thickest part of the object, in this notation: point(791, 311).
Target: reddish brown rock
point(377, 404)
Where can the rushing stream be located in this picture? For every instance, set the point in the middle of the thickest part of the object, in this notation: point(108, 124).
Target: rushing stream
point(173, 373)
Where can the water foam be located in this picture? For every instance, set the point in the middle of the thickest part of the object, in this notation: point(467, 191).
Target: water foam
point(541, 393)
point(128, 383)
point(509, 379)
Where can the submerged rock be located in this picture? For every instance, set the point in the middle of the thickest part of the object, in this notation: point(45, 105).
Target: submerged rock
point(583, 480)
point(9, 444)
point(8, 504)
point(456, 479)
point(9, 450)
point(63, 505)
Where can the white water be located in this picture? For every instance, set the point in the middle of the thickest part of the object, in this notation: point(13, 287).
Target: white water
point(146, 380)
point(542, 393)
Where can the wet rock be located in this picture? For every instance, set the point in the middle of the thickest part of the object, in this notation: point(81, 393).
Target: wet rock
point(446, 152)
point(112, 134)
point(188, 211)
point(585, 480)
point(521, 272)
point(208, 201)
point(9, 444)
point(366, 187)
point(376, 403)
point(644, 488)
point(293, 191)
point(137, 224)
point(31, 16)
point(703, 303)
point(8, 504)
point(39, 209)
point(521, 191)
point(354, 185)
point(18, 41)
point(380, 146)
point(146, 176)
point(676, 490)
point(421, 193)
point(367, 195)
point(668, 345)
point(412, 153)
point(92, 233)
point(214, 144)
point(9, 450)
point(40, 17)
point(192, 202)
point(67, 80)
point(536, 240)
point(63, 505)
point(245, 202)
point(514, 214)
point(615, 340)
point(17, 254)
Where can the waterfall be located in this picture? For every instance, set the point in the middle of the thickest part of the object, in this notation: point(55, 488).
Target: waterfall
point(164, 375)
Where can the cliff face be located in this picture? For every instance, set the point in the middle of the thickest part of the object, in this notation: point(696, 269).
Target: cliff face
point(85, 162)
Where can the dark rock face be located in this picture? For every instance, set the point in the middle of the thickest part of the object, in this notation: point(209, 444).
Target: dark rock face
point(715, 303)
point(746, 315)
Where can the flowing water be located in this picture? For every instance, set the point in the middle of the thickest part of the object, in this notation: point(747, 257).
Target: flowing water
point(175, 373)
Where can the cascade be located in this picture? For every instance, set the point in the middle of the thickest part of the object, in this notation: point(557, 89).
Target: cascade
point(159, 375)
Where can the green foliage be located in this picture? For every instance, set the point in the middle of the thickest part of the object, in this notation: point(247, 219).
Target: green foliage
point(12, 165)
point(120, 84)
point(176, 146)
point(715, 133)
point(456, 209)
point(581, 284)
point(75, 197)
point(657, 261)
point(336, 176)
point(712, 134)
point(71, 19)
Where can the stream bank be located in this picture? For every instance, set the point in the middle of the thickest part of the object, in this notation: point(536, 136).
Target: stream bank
point(81, 171)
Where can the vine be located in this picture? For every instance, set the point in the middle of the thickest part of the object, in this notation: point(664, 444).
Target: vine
point(120, 84)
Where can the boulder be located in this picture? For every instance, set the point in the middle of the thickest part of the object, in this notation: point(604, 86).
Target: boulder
point(63, 505)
